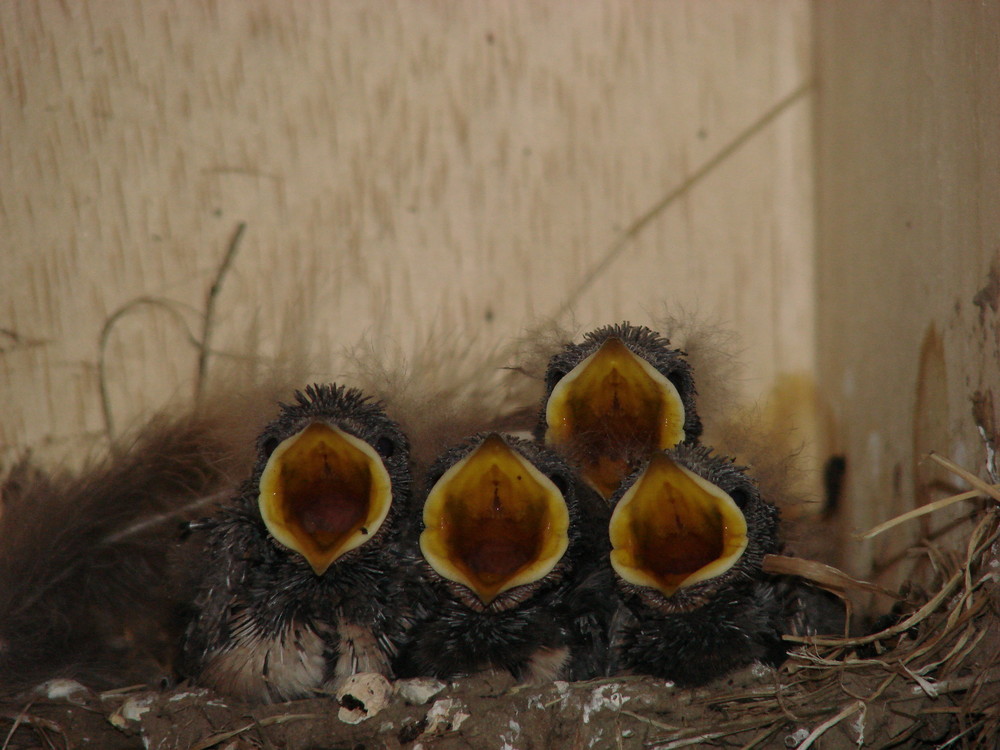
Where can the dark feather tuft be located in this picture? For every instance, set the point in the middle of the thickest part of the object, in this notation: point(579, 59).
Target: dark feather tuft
point(85, 583)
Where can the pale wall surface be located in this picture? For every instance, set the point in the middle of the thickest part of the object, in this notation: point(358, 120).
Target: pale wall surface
point(908, 220)
point(401, 167)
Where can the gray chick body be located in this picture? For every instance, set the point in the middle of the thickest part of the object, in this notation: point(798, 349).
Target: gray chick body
point(706, 630)
point(555, 627)
point(266, 627)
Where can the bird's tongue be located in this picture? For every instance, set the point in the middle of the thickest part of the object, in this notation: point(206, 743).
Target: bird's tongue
point(496, 559)
point(326, 516)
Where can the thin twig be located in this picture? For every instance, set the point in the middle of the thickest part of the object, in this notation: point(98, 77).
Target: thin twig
point(823, 575)
point(636, 227)
point(170, 515)
point(37, 722)
point(651, 722)
point(901, 627)
point(168, 305)
point(208, 322)
point(215, 739)
point(917, 512)
point(822, 728)
point(987, 489)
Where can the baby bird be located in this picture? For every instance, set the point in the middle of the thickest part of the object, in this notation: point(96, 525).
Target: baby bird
point(301, 585)
point(688, 533)
point(511, 551)
point(616, 398)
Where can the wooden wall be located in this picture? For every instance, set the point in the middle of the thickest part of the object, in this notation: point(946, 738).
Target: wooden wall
point(908, 253)
point(401, 168)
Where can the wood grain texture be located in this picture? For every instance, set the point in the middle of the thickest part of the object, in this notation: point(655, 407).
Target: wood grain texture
point(401, 168)
point(908, 225)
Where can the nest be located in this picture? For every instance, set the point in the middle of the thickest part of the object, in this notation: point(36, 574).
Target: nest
point(930, 676)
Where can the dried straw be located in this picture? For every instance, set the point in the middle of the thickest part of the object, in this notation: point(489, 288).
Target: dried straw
point(939, 661)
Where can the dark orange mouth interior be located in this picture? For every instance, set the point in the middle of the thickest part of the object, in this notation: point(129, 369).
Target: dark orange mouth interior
point(672, 528)
point(323, 493)
point(493, 521)
point(612, 413)
point(326, 488)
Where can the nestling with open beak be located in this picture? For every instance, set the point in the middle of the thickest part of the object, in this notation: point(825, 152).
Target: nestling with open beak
point(616, 398)
point(689, 532)
point(302, 583)
point(512, 543)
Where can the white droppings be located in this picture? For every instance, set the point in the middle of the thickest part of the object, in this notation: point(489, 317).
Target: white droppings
point(991, 456)
point(129, 711)
point(796, 738)
point(760, 671)
point(63, 689)
point(445, 715)
point(189, 694)
point(511, 738)
point(859, 725)
point(598, 701)
point(134, 708)
point(420, 690)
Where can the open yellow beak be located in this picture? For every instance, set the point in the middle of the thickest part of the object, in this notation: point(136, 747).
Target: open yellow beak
point(323, 493)
point(673, 529)
point(608, 409)
point(493, 521)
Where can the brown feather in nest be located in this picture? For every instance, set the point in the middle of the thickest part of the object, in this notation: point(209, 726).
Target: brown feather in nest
point(90, 580)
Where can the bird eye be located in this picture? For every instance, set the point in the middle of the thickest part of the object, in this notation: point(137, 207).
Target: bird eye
point(268, 445)
point(740, 496)
point(561, 482)
point(385, 447)
point(553, 376)
point(678, 381)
